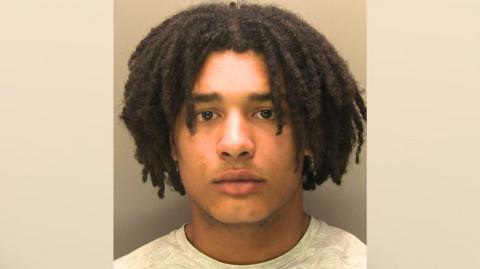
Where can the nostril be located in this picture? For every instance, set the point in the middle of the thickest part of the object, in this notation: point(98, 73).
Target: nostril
point(242, 154)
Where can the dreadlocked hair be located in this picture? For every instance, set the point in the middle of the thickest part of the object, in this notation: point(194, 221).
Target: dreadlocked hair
point(326, 107)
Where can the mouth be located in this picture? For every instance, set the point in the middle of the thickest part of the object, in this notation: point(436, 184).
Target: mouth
point(238, 182)
point(239, 187)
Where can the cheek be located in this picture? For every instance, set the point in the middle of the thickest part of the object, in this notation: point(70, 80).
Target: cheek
point(281, 156)
point(194, 158)
point(191, 147)
point(282, 146)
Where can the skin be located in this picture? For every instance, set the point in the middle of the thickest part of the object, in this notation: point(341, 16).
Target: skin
point(235, 132)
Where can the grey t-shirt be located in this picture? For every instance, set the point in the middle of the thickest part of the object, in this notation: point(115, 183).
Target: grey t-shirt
point(322, 246)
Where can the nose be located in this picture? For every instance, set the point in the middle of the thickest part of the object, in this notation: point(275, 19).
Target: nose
point(235, 141)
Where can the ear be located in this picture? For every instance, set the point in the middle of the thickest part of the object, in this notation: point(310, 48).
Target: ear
point(173, 150)
point(307, 151)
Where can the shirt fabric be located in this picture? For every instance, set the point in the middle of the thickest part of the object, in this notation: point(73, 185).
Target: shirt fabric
point(322, 246)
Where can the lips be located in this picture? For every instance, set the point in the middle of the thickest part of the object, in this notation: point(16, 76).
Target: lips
point(237, 175)
point(238, 182)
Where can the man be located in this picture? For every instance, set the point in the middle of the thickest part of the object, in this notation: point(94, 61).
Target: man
point(243, 108)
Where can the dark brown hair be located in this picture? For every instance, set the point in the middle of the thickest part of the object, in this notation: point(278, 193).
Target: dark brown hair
point(324, 100)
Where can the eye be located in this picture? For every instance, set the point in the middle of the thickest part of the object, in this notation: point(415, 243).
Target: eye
point(266, 114)
point(207, 115)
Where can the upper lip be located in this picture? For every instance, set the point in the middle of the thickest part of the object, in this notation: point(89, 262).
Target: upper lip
point(237, 175)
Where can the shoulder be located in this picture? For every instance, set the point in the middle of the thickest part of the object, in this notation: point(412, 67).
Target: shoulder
point(338, 248)
point(161, 249)
point(337, 238)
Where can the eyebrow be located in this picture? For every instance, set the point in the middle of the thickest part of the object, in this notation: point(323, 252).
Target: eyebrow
point(215, 97)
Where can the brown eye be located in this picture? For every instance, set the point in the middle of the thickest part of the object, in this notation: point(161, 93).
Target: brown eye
point(207, 115)
point(266, 114)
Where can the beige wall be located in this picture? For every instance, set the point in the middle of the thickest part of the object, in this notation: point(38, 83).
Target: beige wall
point(139, 215)
point(56, 164)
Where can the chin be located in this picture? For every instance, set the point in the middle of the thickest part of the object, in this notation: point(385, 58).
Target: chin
point(239, 219)
point(240, 215)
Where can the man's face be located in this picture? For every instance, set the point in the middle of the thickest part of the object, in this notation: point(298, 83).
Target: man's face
point(234, 167)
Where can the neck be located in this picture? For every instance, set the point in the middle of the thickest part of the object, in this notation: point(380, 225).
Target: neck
point(249, 243)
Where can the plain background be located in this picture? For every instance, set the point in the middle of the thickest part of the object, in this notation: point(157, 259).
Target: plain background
point(140, 216)
point(56, 134)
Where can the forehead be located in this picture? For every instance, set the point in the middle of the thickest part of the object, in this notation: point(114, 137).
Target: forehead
point(231, 73)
